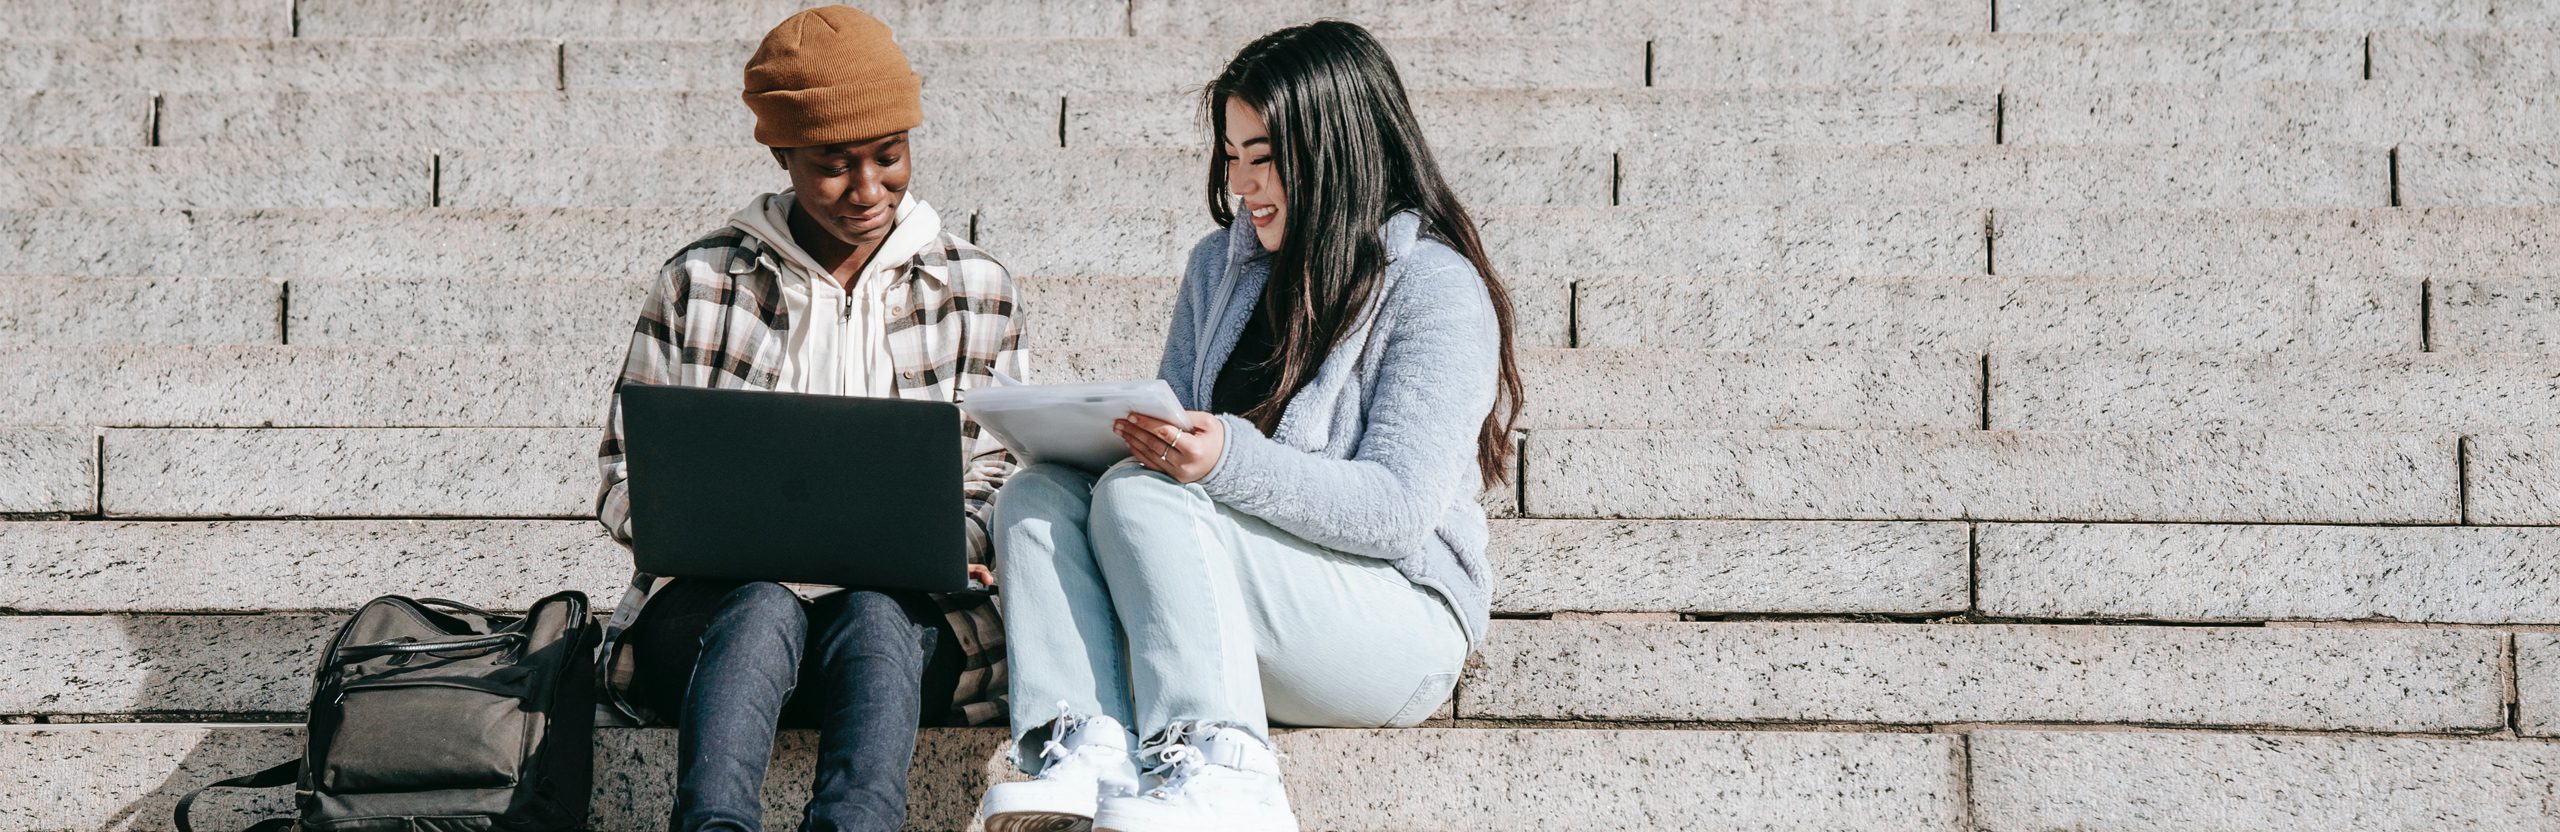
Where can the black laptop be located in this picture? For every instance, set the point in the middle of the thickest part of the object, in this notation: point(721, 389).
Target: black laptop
point(759, 486)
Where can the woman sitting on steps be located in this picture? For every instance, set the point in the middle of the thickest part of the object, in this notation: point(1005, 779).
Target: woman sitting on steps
point(1311, 550)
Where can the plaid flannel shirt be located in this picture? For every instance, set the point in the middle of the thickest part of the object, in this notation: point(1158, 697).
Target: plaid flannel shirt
point(716, 319)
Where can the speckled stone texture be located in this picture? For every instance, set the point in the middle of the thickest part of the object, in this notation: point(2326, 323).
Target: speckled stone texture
point(2411, 391)
point(577, 176)
point(337, 243)
point(2141, 176)
point(1983, 313)
point(216, 177)
point(690, 19)
point(1120, 63)
point(1608, 119)
point(2438, 575)
point(2468, 56)
point(118, 61)
point(75, 118)
point(1653, 388)
point(127, 776)
point(2131, 476)
point(2494, 315)
point(128, 664)
point(260, 566)
point(1070, 312)
point(2278, 242)
point(2512, 478)
point(146, 18)
point(2179, 782)
point(55, 311)
point(1977, 57)
point(551, 119)
point(2538, 684)
point(484, 386)
point(1707, 566)
point(2349, 15)
point(591, 316)
point(1094, 364)
point(388, 472)
point(2364, 112)
point(50, 470)
point(2480, 174)
point(2316, 679)
point(1498, 18)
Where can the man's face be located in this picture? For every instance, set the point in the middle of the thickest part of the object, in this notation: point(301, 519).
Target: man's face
point(852, 189)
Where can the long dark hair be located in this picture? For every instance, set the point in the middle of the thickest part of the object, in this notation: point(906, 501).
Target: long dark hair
point(1349, 154)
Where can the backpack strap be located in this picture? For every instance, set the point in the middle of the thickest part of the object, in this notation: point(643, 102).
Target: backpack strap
point(281, 774)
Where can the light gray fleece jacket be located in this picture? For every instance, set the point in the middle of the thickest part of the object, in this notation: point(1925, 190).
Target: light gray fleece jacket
point(1377, 455)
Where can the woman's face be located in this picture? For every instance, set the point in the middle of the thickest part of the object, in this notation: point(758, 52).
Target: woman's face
point(1247, 146)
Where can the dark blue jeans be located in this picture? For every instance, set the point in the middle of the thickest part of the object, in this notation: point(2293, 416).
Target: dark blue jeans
point(733, 662)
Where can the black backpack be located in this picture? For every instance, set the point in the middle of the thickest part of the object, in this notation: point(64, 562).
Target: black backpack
point(432, 716)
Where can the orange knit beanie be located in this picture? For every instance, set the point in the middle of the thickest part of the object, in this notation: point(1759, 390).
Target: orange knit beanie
point(829, 75)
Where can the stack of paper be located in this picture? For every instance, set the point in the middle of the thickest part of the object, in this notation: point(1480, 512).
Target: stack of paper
point(1069, 423)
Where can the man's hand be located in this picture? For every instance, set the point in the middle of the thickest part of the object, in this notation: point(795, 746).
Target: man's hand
point(980, 573)
point(1184, 455)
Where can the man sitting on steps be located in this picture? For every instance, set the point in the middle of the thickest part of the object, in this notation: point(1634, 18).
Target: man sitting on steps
point(846, 284)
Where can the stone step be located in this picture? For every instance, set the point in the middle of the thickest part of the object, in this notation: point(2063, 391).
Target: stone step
point(51, 470)
point(2348, 15)
point(564, 386)
point(145, 18)
point(1059, 64)
point(2363, 112)
point(111, 59)
point(2278, 242)
point(692, 18)
point(2132, 391)
point(1481, 18)
point(2495, 56)
point(216, 177)
point(1978, 57)
point(2001, 176)
point(61, 311)
point(2479, 174)
point(1609, 118)
point(383, 472)
point(1543, 565)
point(2493, 315)
point(1984, 313)
point(959, 181)
point(2190, 476)
point(2538, 669)
point(2511, 478)
point(2323, 679)
point(2319, 678)
point(2435, 575)
point(1555, 240)
point(2165, 782)
point(539, 243)
point(128, 776)
point(976, 118)
point(75, 118)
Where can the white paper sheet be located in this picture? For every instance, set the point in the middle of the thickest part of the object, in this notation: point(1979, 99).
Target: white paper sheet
point(1069, 423)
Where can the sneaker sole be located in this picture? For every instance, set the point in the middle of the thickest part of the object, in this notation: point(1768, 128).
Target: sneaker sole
point(1039, 822)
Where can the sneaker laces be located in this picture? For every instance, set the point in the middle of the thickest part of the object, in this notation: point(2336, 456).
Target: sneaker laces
point(1177, 756)
point(1055, 751)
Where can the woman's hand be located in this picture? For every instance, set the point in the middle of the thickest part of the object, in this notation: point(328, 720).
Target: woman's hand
point(1184, 455)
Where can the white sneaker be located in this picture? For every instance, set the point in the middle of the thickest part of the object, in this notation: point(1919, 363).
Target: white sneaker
point(1086, 759)
point(1208, 777)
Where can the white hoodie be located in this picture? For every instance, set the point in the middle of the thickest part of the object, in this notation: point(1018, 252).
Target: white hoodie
point(838, 343)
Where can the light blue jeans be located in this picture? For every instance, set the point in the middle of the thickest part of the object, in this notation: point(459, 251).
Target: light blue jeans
point(1139, 598)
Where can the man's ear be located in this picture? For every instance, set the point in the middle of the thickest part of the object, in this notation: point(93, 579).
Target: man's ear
point(781, 157)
